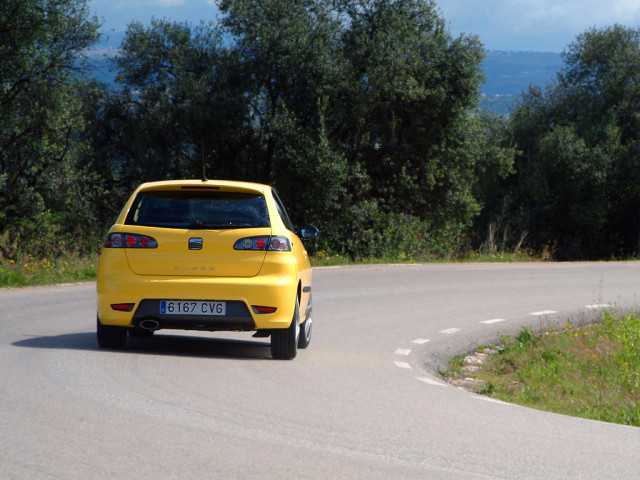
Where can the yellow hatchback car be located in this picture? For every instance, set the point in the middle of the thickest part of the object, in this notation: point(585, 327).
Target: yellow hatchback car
point(205, 255)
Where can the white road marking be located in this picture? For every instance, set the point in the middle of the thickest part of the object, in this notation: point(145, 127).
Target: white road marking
point(420, 341)
point(403, 365)
point(543, 312)
point(403, 351)
point(449, 331)
point(430, 381)
point(493, 320)
point(597, 305)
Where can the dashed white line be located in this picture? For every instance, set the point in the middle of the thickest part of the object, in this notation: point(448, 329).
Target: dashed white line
point(597, 305)
point(493, 320)
point(403, 351)
point(543, 312)
point(431, 381)
point(404, 365)
point(420, 341)
point(449, 331)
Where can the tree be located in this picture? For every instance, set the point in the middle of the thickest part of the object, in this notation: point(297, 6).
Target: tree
point(358, 112)
point(185, 97)
point(294, 68)
point(406, 126)
point(41, 42)
point(579, 167)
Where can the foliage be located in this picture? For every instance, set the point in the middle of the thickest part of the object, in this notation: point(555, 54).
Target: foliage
point(575, 191)
point(358, 113)
point(40, 46)
point(170, 113)
point(29, 270)
point(406, 130)
point(363, 114)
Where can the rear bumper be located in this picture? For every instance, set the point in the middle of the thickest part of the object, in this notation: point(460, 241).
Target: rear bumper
point(237, 318)
point(266, 289)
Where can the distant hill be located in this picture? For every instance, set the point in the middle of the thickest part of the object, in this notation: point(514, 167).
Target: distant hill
point(100, 69)
point(510, 73)
point(507, 73)
point(98, 55)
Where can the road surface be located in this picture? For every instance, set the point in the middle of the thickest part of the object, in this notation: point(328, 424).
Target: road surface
point(362, 402)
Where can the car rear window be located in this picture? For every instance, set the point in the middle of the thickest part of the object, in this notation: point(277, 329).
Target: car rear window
point(199, 210)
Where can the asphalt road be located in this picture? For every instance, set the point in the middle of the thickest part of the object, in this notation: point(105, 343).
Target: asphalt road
point(362, 402)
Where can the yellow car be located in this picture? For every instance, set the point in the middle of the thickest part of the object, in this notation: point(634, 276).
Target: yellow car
point(205, 255)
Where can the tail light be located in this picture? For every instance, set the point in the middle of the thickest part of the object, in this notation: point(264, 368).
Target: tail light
point(275, 243)
point(130, 240)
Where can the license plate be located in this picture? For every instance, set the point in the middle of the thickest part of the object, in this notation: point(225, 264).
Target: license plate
point(190, 307)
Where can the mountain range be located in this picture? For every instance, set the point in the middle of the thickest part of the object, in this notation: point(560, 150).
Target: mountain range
point(507, 73)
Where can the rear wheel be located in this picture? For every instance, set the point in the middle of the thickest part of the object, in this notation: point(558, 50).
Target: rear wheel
point(305, 328)
point(284, 342)
point(110, 336)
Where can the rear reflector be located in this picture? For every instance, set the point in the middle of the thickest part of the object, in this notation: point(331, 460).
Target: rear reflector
point(122, 307)
point(260, 309)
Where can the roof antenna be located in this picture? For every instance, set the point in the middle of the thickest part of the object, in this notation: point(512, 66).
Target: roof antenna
point(204, 173)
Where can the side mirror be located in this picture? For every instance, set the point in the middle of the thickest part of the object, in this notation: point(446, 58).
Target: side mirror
point(309, 231)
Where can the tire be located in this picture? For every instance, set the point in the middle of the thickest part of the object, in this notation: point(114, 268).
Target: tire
point(284, 341)
point(111, 337)
point(305, 328)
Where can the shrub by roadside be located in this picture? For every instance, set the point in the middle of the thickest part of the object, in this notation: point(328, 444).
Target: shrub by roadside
point(27, 270)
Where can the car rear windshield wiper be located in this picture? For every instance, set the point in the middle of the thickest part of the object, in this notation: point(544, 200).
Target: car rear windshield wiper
point(200, 225)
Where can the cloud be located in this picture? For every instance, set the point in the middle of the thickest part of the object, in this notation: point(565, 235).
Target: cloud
point(535, 24)
point(117, 14)
point(543, 13)
point(169, 3)
point(569, 15)
point(629, 8)
point(135, 4)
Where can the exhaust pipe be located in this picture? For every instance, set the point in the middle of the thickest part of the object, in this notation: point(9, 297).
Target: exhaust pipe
point(150, 324)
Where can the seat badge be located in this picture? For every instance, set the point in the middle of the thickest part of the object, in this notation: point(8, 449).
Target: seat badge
point(195, 243)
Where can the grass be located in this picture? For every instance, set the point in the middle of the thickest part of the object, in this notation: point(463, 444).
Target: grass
point(28, 271)
point(505, 257)
point(591, 371)
point(323, 258)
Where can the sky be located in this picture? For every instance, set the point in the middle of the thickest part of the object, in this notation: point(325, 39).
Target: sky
point(520, 25)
